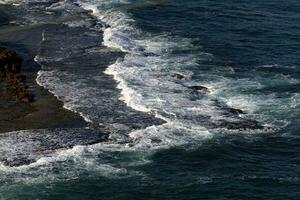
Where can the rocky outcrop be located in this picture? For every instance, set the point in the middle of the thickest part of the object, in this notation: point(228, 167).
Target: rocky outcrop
point(12, 83)
point(199, 88)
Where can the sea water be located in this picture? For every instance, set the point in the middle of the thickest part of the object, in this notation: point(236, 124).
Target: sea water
point(115, 66)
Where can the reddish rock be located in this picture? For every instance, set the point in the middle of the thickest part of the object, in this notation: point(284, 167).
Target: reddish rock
point(9, 62)
point(10, 68)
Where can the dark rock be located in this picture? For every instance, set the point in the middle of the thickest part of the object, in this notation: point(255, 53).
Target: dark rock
point(269, 129)
point(10, 68)
point(199, 88)
point(9, 62)
point(23, 96)
point(243, 125)
point(149, 54)
point(236, 111)
point(107, 26)
point(177, 76)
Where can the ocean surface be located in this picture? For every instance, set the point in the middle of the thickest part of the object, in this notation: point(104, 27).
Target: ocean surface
point(115, 63)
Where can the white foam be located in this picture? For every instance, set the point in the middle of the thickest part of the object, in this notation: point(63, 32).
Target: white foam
point(266, 108)
point(278, 66)
point(143, 76)
point(127, 93)
point(168, 135)
point(295, 101)
point(145, 84)
point(81, 158)
point(13, 2)
point(94, 157)
point(42, 79)
point(105, 158)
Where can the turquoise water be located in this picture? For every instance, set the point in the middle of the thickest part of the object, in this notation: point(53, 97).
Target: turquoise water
point(245, 53)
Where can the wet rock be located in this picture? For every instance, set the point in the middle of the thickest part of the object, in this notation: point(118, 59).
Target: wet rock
point(149, 54)
point(199, 88)
point(9, 62)
point(10, 68)
point(45, 3)
point(178, 76)
point(236, 111)
point(244, 125)
point(269, 129)
point(107, 26)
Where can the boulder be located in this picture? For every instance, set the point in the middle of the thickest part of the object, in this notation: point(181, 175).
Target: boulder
point(199, 88)
point(178, 76)
point(236, 111)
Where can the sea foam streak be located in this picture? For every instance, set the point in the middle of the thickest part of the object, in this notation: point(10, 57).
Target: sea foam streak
point(14, 2)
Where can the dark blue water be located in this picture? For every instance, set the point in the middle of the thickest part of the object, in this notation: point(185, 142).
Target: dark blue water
point(246, 53)
point(247, 41)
